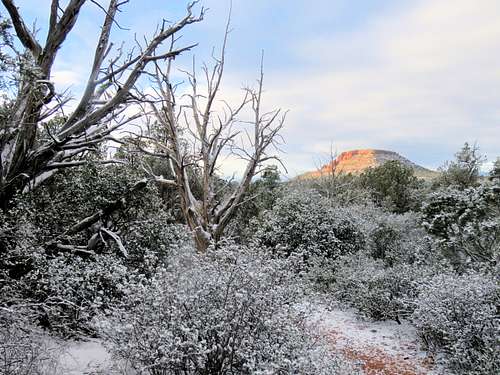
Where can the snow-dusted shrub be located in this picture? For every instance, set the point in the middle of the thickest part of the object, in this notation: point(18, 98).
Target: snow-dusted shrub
point(465, 223)
point(261, 196)
point(149, 242)
point(464, 171)
point(76, 193)
point(24, 349)
point(397, 239)
point(230, 311)
point(69, 290)
point(459, 315)
point(393, 238)
point(61, 292)
point(65, 288)
point(392, 185)
point(338, 186)
point(378, 291)
point(304, 221)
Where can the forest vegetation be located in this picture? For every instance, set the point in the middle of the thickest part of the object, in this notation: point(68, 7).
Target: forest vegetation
point(179, 270)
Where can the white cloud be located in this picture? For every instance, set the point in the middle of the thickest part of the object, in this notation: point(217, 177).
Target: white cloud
point(420, 78)
point(428, 75)
point(66, 78)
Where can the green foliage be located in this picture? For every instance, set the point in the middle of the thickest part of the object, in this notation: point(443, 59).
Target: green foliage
point(71, 290)
point(261, 196)
point(398, 239)
point(466, 223)
point(266, 188)
point(14, 64)
point(384, 241)
point(305, 222)
point(66, 289)
point(463, 172)
point(6, 61)
point(77, 193)
point(49, 128)
point(151, 241)
point(60, 293)
point(391, 185)
point(339, 186)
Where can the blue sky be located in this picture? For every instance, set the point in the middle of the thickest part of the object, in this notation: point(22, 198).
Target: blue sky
point(419, 77)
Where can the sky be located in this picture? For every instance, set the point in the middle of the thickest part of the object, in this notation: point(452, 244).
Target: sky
point(419, 77)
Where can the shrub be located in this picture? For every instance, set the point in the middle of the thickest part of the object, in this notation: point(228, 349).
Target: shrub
point(464, 171)
point(495, 172)
point(261, 196)
point(459, 315)
point(64, 291)
point(397, 239)
point(465, 223)
point(228, 312)
point(68, 290)
point(391, 185)
point(24, 349)
point(379, 292)
point(74, 194)
point(339, 186)
point(303, 221)
point(150, 241)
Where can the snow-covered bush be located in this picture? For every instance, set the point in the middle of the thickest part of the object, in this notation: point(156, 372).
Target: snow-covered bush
point(261, 196)
point(464, 171)
point(393, 238)
point(66, 288)
point(304, 221)
point(149, 242)
point(24, 349)
point(65, 291)
point(378, 291)
point(397, 239)
point(77, 193)
point(70, 290)
point(231, 311)
point(465, 223)
point(459, 315)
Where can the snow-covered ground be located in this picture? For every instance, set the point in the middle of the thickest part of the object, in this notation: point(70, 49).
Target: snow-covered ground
point(385, 348)
point(85, 358)
point(376, 348)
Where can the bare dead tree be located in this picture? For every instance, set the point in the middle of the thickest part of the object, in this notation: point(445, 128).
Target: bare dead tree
point(330, 180)
point(25, 160)
point(195, 135)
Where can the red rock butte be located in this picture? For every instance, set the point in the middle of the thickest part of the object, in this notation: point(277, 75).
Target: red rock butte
point(357, 161)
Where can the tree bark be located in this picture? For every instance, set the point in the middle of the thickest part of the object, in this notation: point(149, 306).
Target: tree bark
point(197, 136)
point(25, 159)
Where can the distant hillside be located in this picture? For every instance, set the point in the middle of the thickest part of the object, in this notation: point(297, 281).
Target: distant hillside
point(356, 161)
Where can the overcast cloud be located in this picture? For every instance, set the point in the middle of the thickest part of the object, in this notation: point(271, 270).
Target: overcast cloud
point(418, 77)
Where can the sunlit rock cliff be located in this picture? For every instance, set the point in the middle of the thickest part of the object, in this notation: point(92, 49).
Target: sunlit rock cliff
point(356, 161)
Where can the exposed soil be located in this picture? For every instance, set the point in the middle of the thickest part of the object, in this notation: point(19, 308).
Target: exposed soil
point(377, 348)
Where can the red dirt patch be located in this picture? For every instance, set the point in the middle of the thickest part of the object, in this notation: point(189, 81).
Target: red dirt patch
point(375, 361)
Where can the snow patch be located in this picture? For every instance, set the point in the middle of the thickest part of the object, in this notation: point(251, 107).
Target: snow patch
point(377, 341)
point(85, 357)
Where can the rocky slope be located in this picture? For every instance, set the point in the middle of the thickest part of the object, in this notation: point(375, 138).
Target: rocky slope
point(356, 161)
